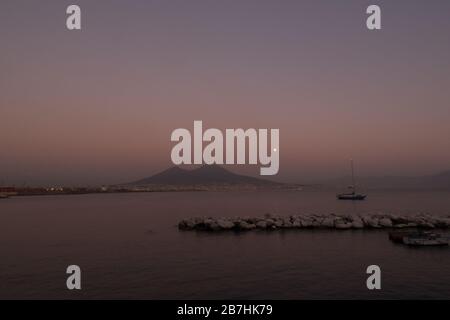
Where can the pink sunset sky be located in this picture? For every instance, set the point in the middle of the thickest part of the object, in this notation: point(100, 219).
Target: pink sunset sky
point(97, 106)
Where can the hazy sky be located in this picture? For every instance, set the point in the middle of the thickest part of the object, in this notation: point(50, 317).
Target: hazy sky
point(98, 105)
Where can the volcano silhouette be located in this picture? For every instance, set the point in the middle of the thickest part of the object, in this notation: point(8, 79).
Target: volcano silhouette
point(205, 175)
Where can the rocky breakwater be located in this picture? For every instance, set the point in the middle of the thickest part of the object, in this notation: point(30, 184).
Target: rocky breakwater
point(331, 221)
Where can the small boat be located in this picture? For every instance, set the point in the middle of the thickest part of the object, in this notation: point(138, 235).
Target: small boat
point(351, 195)
point(425, 239)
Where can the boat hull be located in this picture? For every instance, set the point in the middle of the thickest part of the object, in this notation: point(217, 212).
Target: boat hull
point(352, 197)
point(425, 242)
point(425, 239)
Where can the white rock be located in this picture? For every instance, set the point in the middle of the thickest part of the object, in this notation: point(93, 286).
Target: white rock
point(358, 224)
point(214, 226)
point(385, 222)
point(261, 224)
point(411, 225)
point(296, 224)
point(287, 224)
point(373, 223)
point(223, 224)
point(427, 225)
point(401, 225)
point(316, 224)
point(306, 223)
point(343, 225)
point(244, 225)
point(328, 222)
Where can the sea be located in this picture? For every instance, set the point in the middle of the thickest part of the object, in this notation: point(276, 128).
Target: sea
point(128, 246)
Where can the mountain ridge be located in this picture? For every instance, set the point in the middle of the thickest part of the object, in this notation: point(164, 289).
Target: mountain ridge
point(205, 175)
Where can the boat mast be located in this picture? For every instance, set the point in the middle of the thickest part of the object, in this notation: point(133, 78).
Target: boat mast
point(353, 176)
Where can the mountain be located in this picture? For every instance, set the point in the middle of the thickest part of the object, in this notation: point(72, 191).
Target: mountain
point(440, 181)
point(206, 175)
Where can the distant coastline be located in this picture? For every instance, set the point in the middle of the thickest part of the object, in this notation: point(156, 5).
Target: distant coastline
point(38, 191)
point(217, 178)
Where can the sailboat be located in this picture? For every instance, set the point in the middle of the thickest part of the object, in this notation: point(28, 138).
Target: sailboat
point(353, 195)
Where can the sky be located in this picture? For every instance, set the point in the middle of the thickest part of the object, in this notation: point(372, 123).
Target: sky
point(97, 106)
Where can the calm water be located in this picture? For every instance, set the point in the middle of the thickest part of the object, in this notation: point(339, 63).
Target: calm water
point(128, 246)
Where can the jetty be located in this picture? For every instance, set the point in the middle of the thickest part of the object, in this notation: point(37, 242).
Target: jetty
point(316, 221)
